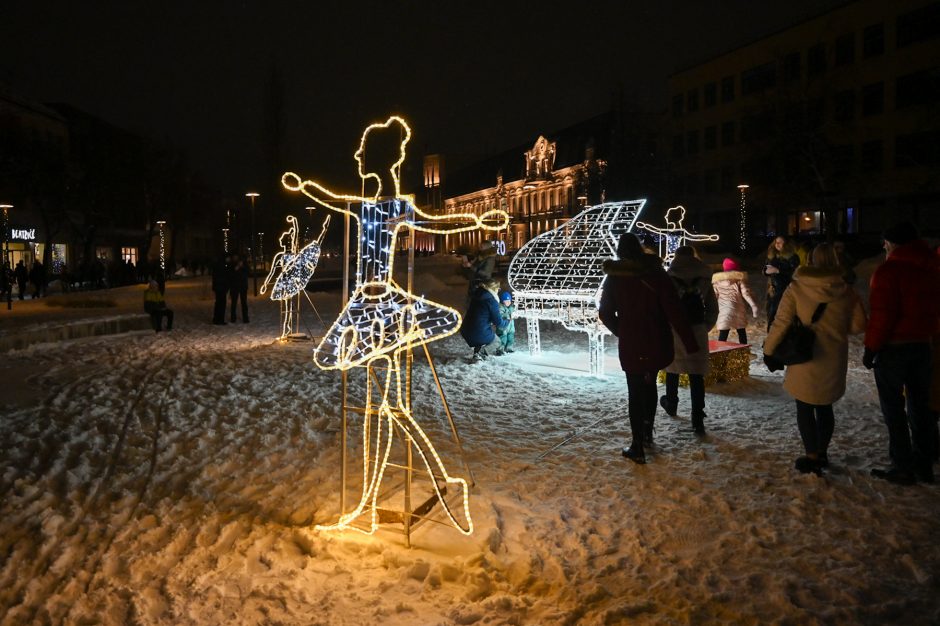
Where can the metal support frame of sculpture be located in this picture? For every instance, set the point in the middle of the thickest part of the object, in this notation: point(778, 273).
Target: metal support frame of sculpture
point(558, 275)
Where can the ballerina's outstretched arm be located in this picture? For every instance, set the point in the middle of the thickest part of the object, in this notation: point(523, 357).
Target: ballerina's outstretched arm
point(315, 191)
point(479, 221)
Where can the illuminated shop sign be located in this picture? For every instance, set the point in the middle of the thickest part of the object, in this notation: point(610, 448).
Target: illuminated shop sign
point(23, 234)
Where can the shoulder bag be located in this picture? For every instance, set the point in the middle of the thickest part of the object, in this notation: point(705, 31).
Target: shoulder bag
point(797, 344)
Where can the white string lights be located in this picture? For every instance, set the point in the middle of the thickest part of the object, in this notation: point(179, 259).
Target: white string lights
point(294, 270)
point(381, 320)
point(559, 274)
point(673, 235)
point(161, 223)
point(742, 235)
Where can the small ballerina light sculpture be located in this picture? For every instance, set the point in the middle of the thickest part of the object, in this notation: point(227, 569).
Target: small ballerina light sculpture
point(674, 235)
point(382, 321)
point(294, 268)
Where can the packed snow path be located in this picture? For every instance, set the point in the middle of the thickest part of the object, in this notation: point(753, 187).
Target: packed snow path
point(175, 479)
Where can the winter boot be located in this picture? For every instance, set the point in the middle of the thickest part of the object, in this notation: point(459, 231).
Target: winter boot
point(635, 454)
point(670, 407)
point(698, 422)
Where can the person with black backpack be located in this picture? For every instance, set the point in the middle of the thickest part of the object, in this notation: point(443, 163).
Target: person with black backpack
point(693, 279)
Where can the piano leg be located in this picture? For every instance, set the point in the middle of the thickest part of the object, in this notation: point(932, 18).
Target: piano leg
point(596, 350)
point(532, 332)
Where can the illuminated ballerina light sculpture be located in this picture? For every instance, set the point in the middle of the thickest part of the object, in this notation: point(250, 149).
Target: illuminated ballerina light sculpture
point(674, 235)
point(558, 275)
point(294, 268)
point(382, 322)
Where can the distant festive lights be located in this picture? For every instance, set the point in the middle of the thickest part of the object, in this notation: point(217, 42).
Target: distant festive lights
point(674, 234)
point(381, 320)
point(742, 235)
point(558, 275)
point(161, 224)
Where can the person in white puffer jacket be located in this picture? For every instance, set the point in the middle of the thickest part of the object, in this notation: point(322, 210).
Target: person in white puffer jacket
point(733, 294)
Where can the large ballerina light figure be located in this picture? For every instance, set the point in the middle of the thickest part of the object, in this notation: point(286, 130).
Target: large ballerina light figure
point(674, 235)
point(382, 321)
point(294, 268)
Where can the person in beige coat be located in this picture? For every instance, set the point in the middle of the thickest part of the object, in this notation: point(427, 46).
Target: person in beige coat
point(689, 273)
point(818, 383)
point(734, 298)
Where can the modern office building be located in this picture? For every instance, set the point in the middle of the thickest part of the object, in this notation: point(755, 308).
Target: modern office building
point(833, 124)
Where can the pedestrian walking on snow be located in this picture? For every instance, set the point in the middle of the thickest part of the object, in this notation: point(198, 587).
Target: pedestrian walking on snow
point(734, 300)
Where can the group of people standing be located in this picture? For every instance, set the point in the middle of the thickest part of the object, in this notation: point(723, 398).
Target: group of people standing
point(230, 282)
point(648, 309)
point(23, 278)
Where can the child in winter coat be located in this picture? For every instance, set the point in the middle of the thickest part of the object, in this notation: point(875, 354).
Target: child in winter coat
point(731, 289)
point(506, 310)
point(155, 305)
point(481, 318)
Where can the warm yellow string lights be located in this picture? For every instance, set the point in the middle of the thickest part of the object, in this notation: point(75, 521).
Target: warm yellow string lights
point(674, 235)
point(382, 321)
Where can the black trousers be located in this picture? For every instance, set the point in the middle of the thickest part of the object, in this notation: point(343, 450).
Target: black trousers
point(742, 335)
point(816, 424)
point(238, 294)
point(218, 312)
point(902, 375)
point(696, 391)
point(641, 403)
point(156, 319)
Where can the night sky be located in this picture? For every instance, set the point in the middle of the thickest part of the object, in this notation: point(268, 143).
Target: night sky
point(472, 78)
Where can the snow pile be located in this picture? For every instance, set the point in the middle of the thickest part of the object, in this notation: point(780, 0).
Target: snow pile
point(175, 479)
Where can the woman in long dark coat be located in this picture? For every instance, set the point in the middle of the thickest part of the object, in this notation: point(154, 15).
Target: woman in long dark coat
point(782, 261)
point(639, 304)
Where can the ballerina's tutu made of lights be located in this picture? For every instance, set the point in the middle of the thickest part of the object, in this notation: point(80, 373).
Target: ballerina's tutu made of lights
point(297, 269)
point(372, 325)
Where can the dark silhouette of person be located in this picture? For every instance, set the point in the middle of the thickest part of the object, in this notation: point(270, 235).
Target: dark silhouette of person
point(21, 275)
point(155, 305)
point(221, 282)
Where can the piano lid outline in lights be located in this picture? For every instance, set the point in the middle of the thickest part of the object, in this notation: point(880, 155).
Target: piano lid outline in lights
point(559, 274)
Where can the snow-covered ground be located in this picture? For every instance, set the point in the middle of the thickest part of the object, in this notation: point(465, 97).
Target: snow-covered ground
point(176, 479)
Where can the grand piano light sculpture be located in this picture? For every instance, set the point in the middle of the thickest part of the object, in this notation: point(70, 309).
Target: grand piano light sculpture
point(294, 268)
point(377, 330)
point(559, 274)
point(673, 235)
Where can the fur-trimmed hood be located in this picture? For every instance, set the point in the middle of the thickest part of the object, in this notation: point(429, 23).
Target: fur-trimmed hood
point(646, 264)
point(822, 284)
point(733, 276)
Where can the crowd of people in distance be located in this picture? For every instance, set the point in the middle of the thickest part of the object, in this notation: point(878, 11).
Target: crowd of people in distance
point(662, 319)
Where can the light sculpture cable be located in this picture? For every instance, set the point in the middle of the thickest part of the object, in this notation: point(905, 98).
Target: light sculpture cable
point(294, 268)
point(558, 275)
point(161, 223)
point(381, 322)
point(673, 235)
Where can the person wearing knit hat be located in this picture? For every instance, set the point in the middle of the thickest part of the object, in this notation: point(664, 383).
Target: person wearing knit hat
point(905, 311)
point(734, 299)
point(507, 340)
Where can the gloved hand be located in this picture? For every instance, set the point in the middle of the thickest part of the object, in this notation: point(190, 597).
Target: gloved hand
point(772, 363)
point(868, 358)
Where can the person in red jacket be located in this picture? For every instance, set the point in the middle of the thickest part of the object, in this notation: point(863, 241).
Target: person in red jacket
point(905, 305)
point(638, 304)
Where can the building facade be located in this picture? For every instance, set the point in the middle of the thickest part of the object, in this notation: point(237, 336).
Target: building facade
point(556, 178)
point(831, 124)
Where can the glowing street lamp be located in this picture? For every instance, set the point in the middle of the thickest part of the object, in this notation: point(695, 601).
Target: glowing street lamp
point(742, 235)
point(6, 252)
point(251, 251)
point(161, 223)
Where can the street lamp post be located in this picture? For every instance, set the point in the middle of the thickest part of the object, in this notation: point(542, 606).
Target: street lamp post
point(251, 251)
point(225, 240)
point(6, 253)
point(261, 251)
point(742, 243)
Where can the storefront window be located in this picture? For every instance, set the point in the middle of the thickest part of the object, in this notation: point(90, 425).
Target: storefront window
point(129, 254)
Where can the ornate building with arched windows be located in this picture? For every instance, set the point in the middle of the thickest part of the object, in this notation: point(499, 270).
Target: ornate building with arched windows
point(541, 185)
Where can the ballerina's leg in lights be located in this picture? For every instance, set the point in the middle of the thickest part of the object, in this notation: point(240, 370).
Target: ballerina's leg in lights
point(382, 321)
